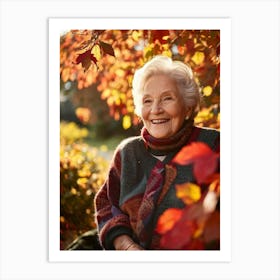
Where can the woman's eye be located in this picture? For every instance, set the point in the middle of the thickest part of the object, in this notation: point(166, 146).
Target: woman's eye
point(147, 101)
point(167, 98)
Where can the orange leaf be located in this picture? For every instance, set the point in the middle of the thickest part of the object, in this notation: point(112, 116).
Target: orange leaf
point(83, 114)
point(201, 156)
point(168, 219)
point(215, 185)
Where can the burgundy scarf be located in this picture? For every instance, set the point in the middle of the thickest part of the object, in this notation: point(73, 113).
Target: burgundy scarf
point(165, 145)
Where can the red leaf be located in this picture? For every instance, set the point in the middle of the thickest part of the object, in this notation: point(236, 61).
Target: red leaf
point(93, 59)
point(86, 58)
point(212, 227)
point(189, 228)
point(180, 234)
point(159, 35)
point(190, 45)
point(201, 156)
point(195, 244)
point(107, 48)
point(83, 56)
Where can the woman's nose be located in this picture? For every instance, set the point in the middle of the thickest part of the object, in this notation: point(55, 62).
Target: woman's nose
point(156, 108)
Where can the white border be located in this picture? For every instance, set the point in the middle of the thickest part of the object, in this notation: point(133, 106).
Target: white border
point(56, 27)
point(24, 150)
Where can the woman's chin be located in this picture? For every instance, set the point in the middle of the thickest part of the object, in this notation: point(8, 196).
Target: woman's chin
point(159, 135)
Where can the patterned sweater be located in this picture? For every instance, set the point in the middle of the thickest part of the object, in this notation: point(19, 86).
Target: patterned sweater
point(140, 187)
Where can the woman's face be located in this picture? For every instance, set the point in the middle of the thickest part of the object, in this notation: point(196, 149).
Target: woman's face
point(163, 110)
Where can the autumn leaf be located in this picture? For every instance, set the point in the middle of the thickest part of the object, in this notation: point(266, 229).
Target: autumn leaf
point(179, 237)
point(82, 182)
point(126, 123)
point(136, 35)
point(198, 57)
point(160, 35)
point(188, 192)
point(107, 48)
point(83, 114)
point(96, 52)
point(204, 160)
point(215, 183)
point(180, 232)
point(190, 45)
point(207, 91)
point(212, 227)
point(181, 50)
point(189, 228)
point(86, 58)
point(168, 219)
point(195, 244)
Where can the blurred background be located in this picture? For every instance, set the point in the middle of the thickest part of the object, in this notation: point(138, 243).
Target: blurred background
point(96, 106)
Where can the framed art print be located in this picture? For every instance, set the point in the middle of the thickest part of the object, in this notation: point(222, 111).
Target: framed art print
point(91, 110)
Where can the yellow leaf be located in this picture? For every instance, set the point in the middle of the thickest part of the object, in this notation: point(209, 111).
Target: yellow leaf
point(120, 73)
point(136, 35)
point(167, 53)
point(106, 93)
point(207, 91)
point(83, 173)
point(198, 57)
point(126, 123)
point(148, 51)
point(82, 182)
point(117, 101)
point(204, 115)
point(73, 191)
point(96, 52)
point(188, 192)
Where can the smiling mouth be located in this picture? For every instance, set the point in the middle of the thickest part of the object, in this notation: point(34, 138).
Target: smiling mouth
point(159, 121)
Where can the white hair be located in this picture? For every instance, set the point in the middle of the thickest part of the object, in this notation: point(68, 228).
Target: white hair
point(178, 71)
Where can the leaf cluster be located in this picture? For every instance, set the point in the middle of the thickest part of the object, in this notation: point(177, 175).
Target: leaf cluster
point(197, 225)
point(82, 172)
point(109, 58)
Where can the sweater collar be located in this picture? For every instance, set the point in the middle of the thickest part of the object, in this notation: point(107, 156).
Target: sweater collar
point(164, 146)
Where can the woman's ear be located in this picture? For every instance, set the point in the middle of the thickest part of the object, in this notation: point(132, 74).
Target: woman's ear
point(188, 113)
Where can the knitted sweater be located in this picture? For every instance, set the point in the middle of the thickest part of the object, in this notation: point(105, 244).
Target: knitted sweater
point(123, 205)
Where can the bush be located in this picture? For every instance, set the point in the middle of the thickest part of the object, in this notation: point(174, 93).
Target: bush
point(82, 172)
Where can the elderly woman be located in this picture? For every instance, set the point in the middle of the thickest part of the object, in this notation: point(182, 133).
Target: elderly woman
point(139, 187)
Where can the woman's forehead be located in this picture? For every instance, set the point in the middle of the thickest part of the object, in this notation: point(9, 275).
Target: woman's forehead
point(160, 83)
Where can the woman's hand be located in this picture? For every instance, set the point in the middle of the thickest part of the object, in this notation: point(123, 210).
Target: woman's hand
point(124, 242)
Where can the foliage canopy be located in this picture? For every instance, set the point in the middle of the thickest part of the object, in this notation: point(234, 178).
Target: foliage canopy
point(109, 58)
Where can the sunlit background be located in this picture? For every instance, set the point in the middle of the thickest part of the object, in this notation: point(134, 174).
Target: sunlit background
point(96, 106)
